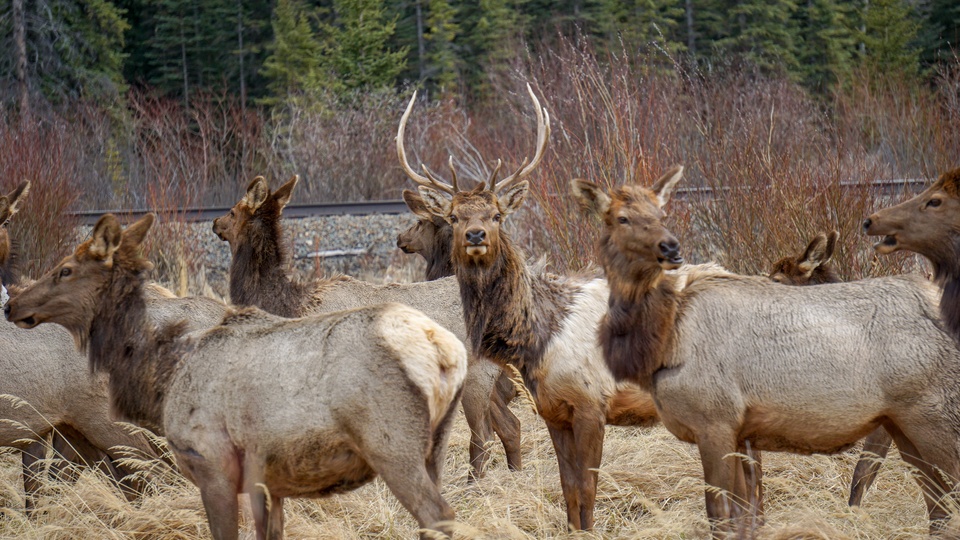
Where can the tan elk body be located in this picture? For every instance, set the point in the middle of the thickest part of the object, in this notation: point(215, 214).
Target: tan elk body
point(545, 325)
point(258, 404)
point(814, 266)
point(258, 277)
point(797, 369)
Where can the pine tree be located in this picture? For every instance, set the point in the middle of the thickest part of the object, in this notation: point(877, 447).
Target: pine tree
point(492, 31)
point(441, 58)
point(828, 43)
point(939, 36)
point(764, 33)
point(293, 66)
point(888, 35)
point(355, 47)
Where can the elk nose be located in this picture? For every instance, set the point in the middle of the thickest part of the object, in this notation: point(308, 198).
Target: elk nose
point(6, 310)
point(476, 236)
point(670, 248)
point(866, 224)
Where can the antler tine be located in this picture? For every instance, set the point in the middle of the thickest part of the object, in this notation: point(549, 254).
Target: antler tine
point(453, 172)
point(430, 180)
point(543, 138)
point(492, 181)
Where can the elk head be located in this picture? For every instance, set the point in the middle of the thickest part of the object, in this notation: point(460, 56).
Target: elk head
point(634, 241)
point(9, 205)
point(70, 293)
point(928, 224)
point(475, 216)
point(258, 206)
point(428, 233)
point(810, 267)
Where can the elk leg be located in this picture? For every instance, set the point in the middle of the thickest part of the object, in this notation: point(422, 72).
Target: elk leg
point(218, 477)
point(275, 521)
point(750, 487)
point(412, 486)
point(477, 393)
point(588, 439)
point(441, 436)
point(720, 470)
point(875, 448)
point(30, 460)
point(565, 446)
point(927, 475)
point(504, 422)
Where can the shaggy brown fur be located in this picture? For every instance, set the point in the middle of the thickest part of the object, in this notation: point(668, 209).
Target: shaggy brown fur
point(9, 205)
point(430, 237)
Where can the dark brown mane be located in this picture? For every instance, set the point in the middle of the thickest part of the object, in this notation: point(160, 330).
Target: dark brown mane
point(637, 332)
point(258, 275)
point(139, 358)
point(510, 315)
point(9, 268)
point(439, 261)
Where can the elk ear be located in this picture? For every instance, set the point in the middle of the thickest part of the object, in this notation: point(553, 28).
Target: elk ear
point(814, 256)
point(257, 193)
point(416, 205)
point(592, 198)
point(434, 201)
point(950, 182)
point(283, 193)
point(831, 245)
point(18, 196)
point(664, 186)
point(512, 200)
point(135, 233)
point(106, 238)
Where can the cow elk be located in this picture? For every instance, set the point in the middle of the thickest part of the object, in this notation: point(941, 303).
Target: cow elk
point(807, 370)
point(42, 356)
point(258, 277)
point(928, 224)
point(259, 404)
point(542, 324)
point(814, 266)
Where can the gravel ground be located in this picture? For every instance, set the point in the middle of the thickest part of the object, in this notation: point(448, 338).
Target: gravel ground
point(367, 247)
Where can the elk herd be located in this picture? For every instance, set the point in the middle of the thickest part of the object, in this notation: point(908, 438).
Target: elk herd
point(311, 388)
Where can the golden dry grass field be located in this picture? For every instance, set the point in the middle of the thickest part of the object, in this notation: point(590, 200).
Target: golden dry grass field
point(650, 487)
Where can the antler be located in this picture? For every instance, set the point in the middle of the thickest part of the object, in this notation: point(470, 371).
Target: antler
point(431, 180)
point(543, 137)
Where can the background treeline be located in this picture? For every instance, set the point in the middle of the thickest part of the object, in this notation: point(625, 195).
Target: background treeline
point(781, 104)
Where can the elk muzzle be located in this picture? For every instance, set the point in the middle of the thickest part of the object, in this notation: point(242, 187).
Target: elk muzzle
point(875, 226)
point(669, 257)
point(476, 242)
point(217, 229)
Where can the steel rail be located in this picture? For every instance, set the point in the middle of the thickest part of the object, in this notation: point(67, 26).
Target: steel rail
point(90, 217)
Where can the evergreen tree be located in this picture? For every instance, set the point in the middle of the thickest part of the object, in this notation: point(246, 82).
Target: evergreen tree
point(70, 49)
point(642, 22)
point(887, 37)
point(355, 46)
point(764, 33)
point(293, 66)
point(939, 36)
point(492, 30)
point(828, 42)
point(441, 59)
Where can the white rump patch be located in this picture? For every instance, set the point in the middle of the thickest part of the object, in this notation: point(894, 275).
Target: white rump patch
point(3, 295)
point(432, 357)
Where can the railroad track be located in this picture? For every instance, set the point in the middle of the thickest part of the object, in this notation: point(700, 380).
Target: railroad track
point(90, 217)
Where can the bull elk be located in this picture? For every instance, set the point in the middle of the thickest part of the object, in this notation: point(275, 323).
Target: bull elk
point(542, 324)
point(258, 277)
point(806, 370)
point(259, 404)
point(814, 266)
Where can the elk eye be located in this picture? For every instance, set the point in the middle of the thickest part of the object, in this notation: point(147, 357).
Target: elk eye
point(497, 218)
point(453, 219)
point(622, 220)
point(933, 203)
point(64, 272)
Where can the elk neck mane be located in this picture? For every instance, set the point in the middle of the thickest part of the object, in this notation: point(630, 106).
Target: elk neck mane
point(439, 261)
point(9, 257)
point(139, 357)
point(946, 272)
point(510, 314)
point(258, 275)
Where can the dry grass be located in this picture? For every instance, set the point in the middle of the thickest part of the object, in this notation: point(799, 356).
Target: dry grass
point(650, 487)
